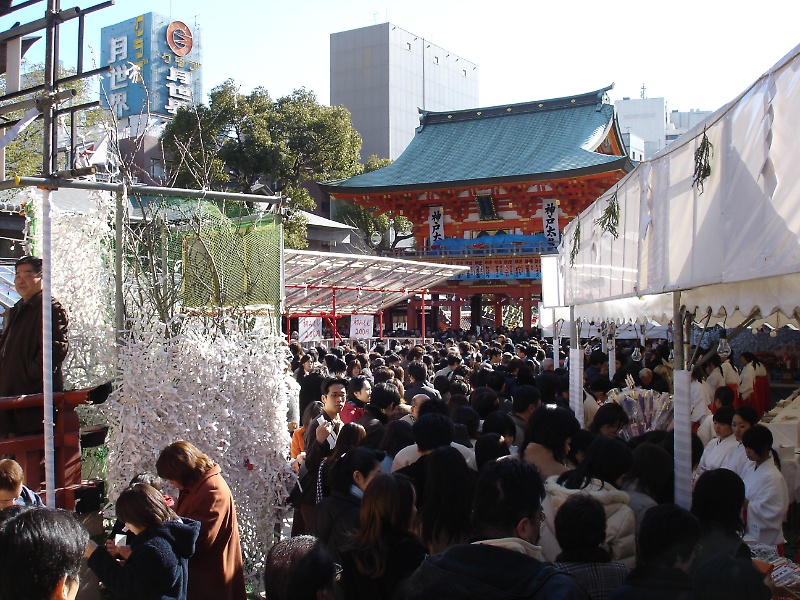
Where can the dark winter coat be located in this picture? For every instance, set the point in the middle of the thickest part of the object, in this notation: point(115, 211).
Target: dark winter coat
point(647, 583)
point(157, 568)
point(336, 518)
point(21, 360)
point(481, 571)
point(404, 556)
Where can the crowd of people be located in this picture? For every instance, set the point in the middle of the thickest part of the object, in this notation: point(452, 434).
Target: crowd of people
point(458, 469)
point(451, 470)
point(158, 549)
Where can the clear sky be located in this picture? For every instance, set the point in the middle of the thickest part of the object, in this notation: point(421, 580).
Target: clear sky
point(696, 54)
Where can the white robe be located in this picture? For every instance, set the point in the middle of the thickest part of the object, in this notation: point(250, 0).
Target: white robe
point(737, 460)
point(768, 497)
point(730, 373)
point(716, 453)
point(700, 401)
point(746, 380)
point(715, 380)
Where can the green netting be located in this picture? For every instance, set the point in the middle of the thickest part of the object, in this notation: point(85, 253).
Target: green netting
point(208, 254)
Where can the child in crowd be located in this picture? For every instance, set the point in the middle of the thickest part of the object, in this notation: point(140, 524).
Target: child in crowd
point(12, 490)
point(157, 564)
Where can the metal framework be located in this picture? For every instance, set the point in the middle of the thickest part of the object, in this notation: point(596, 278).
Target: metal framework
point(331, 285)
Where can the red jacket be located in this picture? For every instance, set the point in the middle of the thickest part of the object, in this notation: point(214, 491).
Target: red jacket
point(216, 569)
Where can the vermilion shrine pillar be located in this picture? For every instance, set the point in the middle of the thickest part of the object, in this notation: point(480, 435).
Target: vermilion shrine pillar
point(498, 313)
point(455, 315)
point(527, 313)
point(411, 316)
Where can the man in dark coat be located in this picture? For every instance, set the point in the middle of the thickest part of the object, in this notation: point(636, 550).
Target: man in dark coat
point(504, 563)
point(21, 348)
point(665, 545)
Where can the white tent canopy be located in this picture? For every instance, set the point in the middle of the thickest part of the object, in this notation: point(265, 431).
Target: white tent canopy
point(733, 247)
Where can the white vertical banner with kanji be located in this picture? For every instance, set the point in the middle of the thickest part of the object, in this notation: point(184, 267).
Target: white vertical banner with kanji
point(550, 221)
point(309, 329)
point(361, 326)
point(436, 222)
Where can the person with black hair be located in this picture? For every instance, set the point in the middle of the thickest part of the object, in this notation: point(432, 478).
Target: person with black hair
point(600, 475)
point(503, 562)
point(21, 348)
point(743, 419)
point(40, 553)
point(741, 580)
point(500, 423)
point(470, 420)
point(717, 450)
point(396, 436)
point(300, 568)
point(445, 518)
point(766, 495)
point(489, 447)
point(598, 365)
point(546, 441)
point(383, 399)
point(609, 420)
point(526, 399)
point(578, 446)
point(650, 472)
point(359, 391)
point(549, 386)
point(411, 454)
point(337, 515)
point(417, 374)
point(595, 394)
point(485, 401)
point(431, 431)
point(717, 502)
point(581, 532)
point(666, 545)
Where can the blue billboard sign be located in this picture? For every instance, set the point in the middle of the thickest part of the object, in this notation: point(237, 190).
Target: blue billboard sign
point(155, 66)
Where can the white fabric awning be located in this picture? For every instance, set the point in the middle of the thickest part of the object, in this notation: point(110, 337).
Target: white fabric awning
point(733, 248)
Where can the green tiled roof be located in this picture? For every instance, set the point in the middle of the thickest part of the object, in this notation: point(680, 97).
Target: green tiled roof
point(517, 142)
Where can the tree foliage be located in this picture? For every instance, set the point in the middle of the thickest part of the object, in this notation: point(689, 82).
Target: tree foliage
point(367, 222)
point(240, 140)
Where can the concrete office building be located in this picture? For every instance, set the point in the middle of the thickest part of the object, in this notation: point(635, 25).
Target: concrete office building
point(681, 121)
point(383, 74)
point(647, 119)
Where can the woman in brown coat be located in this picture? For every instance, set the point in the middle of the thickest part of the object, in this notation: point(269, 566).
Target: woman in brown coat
point(216, 569)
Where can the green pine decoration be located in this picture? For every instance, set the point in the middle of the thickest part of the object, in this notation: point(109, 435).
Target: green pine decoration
point(702, 162)
point(576, 244)
point(609, 220)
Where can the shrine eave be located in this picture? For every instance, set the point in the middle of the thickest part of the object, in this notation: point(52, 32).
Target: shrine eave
point(623, 165)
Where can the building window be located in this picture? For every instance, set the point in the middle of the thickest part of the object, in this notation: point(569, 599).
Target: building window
point(408, 46)
point(436, 60)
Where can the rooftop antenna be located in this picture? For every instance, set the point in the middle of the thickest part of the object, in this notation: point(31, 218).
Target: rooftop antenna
point(642, 95)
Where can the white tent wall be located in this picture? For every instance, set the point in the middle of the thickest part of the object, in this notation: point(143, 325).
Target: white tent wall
point(730, 245)
point(744, 226)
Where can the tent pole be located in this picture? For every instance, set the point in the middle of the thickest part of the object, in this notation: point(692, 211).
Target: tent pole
point(119, 309)
point(573, 330)
point(422, 296)
point(677, 331)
